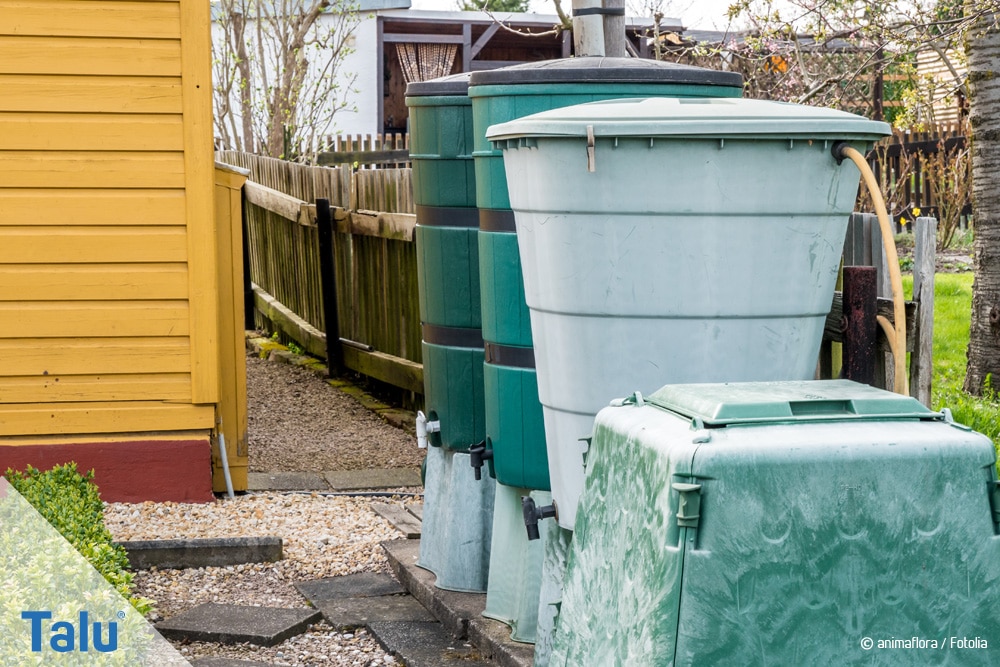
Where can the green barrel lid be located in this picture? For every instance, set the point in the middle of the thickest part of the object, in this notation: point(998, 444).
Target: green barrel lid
point(453, 84)
point(605, 70)
point(771, 402)
point(692, 116)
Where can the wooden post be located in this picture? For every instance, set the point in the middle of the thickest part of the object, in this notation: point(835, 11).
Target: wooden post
point(328, 283)
point(599, 28)
point(921, 359)
point(860, 327)
point(614, 28)
point(884, 369)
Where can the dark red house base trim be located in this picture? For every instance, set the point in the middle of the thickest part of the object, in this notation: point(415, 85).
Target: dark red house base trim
point(128, 471)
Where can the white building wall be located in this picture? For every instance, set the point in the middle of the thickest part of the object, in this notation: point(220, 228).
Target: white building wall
point(361, 115)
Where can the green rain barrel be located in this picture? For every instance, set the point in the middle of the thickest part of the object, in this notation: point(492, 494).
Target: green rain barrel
point(458, 510)
point(441, 140)
point(514, 423)
point(677, 240)
point(804, 523)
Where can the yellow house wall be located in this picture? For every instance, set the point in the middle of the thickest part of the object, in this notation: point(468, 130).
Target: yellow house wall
point(108, 256)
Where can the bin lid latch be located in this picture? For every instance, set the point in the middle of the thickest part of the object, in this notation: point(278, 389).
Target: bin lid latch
point(689, 508)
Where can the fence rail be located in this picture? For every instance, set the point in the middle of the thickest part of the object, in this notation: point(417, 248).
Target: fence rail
point(366, 151)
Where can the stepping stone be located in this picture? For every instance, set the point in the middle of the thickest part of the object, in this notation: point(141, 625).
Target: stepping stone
point(227, 662)
point(208, 552)
point(349, 613)
point(235, 624)
point(416, 509)
point(400, 519)
point(361, 585)
point(421, 644)
point(286, 481)
point(373, 478)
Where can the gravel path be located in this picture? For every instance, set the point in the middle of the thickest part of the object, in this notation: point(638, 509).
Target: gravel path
point(297, 423)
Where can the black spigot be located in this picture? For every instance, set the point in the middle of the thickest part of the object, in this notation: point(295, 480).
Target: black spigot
point(533, 513)
point(478, 456)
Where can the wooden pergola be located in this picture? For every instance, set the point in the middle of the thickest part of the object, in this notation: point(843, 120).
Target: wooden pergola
point(483, 42)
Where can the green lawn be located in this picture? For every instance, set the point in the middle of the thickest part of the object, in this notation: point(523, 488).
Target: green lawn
point(952, 307)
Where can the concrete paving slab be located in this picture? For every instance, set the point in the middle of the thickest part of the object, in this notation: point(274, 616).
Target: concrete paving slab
point(227, 662)
point(205, 552)
point(234, 624)
point(451, 608)
point(286, 481)
point(460, 613)
point(350, 613)
point(360, 585)
point(422, 644)
point(387, 478)
point(416, 509)
point(400, 519)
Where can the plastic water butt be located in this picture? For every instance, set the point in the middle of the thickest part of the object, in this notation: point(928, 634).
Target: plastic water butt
point(514, 423)
point(458, 511)
point(670, 241)
point(525, 574)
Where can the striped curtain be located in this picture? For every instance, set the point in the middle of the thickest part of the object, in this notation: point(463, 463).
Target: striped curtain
point(422, 62)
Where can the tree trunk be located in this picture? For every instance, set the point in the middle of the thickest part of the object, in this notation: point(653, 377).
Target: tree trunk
point(984, 79)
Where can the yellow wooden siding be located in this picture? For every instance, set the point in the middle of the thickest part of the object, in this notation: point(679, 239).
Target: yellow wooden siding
point(83, 169)
point(41, 207)
point(88, 56)
point(91, 132)
point(232, 352)
point(92, 282)
point(33, 245)
point(92, 94)
point(73, 388)
point(199, 171)
point(91, 319)
point(93, 356)
point(107, 247)
point(82, 18)
point(103, 417)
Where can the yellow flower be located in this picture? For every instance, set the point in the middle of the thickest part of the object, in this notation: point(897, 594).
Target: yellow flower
point(916, 212)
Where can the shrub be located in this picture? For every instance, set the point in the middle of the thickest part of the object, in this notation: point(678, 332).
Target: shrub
point(72, 504)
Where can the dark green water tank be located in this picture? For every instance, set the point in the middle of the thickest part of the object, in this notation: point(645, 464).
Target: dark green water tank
point(441, 141)
point(514, 424)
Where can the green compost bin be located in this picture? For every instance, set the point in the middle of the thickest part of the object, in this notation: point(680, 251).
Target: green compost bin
point(441, 140)
point(514, 423)
point(785, 523)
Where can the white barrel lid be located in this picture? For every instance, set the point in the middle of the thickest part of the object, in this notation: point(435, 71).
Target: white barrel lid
point(692, 116)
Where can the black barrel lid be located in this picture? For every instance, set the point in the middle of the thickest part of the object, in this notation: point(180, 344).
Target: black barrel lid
point(599, 69)
point(453, 84)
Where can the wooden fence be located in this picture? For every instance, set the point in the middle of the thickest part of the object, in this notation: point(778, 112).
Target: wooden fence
point(368, 151)
point(374, 256)
point(376, 271)
point(902, 165)
point(863, 247)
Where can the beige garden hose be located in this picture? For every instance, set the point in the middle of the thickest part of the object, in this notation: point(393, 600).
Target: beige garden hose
point(897, 335)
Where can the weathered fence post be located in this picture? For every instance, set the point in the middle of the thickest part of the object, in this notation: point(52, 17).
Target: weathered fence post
point(860, 325)
point(921, 361)
point(328, 285)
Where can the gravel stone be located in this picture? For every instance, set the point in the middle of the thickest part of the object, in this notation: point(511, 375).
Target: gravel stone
point(299, 423)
